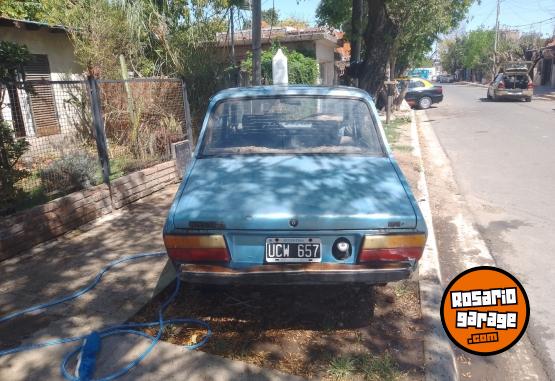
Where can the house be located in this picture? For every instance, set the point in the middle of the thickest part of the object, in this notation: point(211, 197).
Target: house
point(38, 113)
point(546, 66)
point(321, 43)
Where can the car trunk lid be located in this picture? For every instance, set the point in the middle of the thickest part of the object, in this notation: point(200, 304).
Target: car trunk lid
point(320, 192)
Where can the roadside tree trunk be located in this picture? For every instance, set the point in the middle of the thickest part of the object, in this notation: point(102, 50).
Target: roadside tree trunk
point(400, 96)
point(379, 35)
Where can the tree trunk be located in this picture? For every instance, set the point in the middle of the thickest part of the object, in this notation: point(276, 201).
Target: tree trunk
point(378, 38)
point(401, 95)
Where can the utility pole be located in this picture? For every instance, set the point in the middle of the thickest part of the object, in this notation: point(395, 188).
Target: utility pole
point(232, 32)
point(256, 32)
point(496, 40)
point(356, 22)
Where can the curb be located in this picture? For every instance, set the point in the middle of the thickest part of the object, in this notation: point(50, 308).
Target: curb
point(464, 83)
point(439, 358)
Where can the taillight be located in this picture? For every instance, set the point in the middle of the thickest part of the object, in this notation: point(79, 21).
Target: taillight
point(439, 89)
point(501, 86)
point(196, 248)
point(400, 247)
point(530, 86)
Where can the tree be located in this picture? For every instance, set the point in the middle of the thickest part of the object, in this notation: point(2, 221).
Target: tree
point(395, 30)
point(294, 22)
point(12, 58)
point(334, 13)
point(452, 54)
point(23, 9)
point(271, 16)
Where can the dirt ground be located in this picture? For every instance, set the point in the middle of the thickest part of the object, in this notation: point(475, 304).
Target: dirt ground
point(317, 332)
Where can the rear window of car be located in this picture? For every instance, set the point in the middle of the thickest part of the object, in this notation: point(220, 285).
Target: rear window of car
point(515, 80)
point(291, 125)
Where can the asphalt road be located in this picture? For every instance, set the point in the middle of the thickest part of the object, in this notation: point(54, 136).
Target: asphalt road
point(503, 157)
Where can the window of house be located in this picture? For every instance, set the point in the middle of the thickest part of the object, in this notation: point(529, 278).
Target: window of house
point(43, 105)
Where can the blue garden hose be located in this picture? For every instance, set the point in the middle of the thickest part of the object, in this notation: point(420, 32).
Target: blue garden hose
point(89, 344)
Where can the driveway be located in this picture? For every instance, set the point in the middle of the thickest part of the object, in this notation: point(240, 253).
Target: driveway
point(503, 158)
point(61, 266)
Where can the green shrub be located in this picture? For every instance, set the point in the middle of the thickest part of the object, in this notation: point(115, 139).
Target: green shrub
point(11, 149)
point(71, 172)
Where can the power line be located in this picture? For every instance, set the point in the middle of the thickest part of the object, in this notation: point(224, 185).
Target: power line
point(532, 23)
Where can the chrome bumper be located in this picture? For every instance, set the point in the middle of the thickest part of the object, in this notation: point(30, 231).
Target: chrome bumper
point(315, 273)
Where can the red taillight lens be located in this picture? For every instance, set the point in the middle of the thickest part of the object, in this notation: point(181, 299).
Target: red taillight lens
point(501, 86)
point(197, 248)
point(402, 247)
point(530, 86)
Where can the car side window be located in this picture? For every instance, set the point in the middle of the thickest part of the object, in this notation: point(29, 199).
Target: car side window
point(413, 84)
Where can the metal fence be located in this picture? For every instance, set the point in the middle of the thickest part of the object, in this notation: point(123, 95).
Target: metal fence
point(83, 133)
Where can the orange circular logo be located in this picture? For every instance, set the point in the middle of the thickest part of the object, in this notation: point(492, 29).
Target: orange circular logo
point(485, 310)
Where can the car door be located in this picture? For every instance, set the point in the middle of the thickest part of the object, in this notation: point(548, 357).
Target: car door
point(413, 93)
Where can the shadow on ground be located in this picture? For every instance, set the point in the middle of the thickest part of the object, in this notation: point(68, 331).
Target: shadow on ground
point(301, 330)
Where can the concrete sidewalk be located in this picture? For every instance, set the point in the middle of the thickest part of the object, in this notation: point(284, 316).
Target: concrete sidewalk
point(59, 267)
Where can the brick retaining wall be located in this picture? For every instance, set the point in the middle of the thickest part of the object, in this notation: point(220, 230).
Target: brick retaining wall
point(30, 227)
point(139, 184)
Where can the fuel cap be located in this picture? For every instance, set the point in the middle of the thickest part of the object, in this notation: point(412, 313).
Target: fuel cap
point(342, 248)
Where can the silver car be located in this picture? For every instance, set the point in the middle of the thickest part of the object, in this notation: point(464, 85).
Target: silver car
point(514, 84)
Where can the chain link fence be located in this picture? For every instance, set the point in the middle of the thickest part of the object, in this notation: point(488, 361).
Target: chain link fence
point(83, 133)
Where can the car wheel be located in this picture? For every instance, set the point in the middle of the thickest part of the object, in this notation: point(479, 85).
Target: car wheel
point(528, 99)
point(424, 103)
point(488, 96)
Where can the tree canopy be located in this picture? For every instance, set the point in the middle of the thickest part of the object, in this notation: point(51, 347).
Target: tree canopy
point(475, 50)
point(397, 31)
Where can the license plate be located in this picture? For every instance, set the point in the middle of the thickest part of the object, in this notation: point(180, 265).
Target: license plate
point(293, 250)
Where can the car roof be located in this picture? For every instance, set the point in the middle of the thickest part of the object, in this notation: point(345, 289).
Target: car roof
point(258, 91)
point(425, 81)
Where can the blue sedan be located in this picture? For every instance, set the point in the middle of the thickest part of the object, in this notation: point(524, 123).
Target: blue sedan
point(294, 185)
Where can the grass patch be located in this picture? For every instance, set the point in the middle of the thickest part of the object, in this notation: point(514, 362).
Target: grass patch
point(392, 128)
point(402, 148)
point(401, 289)
point(342, 368)
point(379, 368)
point(391, 132)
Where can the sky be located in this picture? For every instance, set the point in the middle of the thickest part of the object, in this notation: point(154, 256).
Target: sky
point(518, 13)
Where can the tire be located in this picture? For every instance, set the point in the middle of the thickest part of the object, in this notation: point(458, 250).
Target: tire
point(488, 96)
point(424, 103)
point(528, 99)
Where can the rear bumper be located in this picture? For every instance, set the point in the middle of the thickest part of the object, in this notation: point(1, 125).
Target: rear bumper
point(518, 95)
point(317, 273)
point(437, 98)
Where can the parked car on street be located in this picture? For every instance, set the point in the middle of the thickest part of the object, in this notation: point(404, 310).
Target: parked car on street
point(294, 185)
point(446, 78)
point(512, 84)
point(421, 93)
